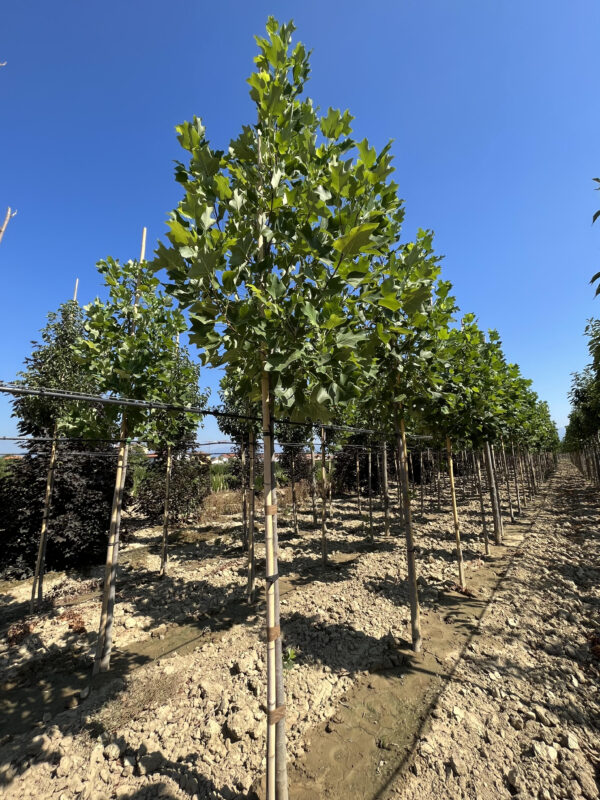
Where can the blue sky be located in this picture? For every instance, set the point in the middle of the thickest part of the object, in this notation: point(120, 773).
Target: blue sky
point(493, 106)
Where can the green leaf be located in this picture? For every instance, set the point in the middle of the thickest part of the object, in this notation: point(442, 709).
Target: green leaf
point(357, 240)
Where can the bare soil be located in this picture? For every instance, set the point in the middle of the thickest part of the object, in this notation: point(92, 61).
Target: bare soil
point(503, 701)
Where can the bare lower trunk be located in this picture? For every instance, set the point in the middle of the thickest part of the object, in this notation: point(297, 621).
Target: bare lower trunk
point(323, 500)
point(104, 645)
point(251, 587)
point(507, 481)
point(413, 591)
point(386, 490)
point(358, 498)
point(276, 752)
point(477, 472)
point(496, 517)
point(294, 505)
point(517, 488)
point(38, 578)
point(370, 490)
point(459, 557)
point(244, 495)
point(313, 485)
point(422, 483)
point(165, 536)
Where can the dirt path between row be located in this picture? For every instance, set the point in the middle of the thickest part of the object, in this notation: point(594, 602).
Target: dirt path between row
point(516, 713)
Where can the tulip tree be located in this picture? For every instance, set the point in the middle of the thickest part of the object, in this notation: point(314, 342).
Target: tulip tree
point(404, 376)
point(269, 249)
point(131, 350)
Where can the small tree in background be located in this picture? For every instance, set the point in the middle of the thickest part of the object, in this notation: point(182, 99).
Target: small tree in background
point(51, 496)
point(130, 348)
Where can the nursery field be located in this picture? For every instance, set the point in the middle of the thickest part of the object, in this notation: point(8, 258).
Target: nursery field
point(502, 701)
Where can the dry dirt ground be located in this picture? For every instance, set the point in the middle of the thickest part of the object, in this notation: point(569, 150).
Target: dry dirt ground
point(502, 702)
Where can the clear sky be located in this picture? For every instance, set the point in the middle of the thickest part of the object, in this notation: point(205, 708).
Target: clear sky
point(493, 106)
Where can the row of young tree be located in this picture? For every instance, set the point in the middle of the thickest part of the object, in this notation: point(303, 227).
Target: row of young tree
point(286, 252)
point(286, 261)
point(582, 434)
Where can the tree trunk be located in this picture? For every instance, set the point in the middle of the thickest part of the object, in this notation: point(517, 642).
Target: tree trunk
point(165, 536)
point(244, 495)
point(323, 500)
point(104, 645)
point(438, 481)
point(251, 587)
point(517, 489)
point(358, 499)
point(477, 472)
point(38, 578)
point(422, 483)
point(496, 517)
point(507, 480)
point(276, 756)
point(413, 591)
point(294, 506)
point(522, 473)
point(459, 558)
point(370, 490)
point(313, 485)
point(386, 490)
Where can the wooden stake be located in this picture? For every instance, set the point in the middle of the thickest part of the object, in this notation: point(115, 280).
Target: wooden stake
point(75, 290)
point(459, 557)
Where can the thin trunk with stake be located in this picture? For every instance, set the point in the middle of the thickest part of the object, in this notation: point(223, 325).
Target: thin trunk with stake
point(251, 589)
point(413, 590)
point(276, 751)
point(507, 480)
point(459, 557)
point(313, 484)
point(323, 500)
point(104, 644)
point(164, 554)
point(496, 515)
point(38, 578)
point(477, 472)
